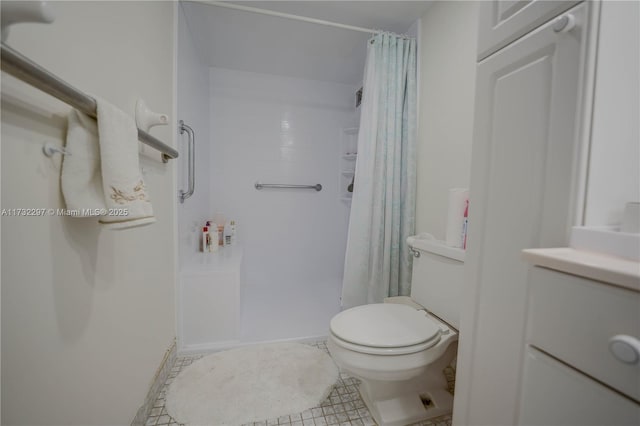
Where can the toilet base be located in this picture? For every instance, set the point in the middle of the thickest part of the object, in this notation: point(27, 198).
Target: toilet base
point(407, 409)
point(408, 405)
point(401, 403)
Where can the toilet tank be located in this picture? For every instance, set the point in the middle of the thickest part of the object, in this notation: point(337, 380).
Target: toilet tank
point(437, 277)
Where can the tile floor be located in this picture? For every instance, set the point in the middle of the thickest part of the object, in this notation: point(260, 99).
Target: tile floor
point(343, 407)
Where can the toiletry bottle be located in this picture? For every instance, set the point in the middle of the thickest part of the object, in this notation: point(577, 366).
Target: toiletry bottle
point(207, 245)
point(227, 235)
point(205, 239)
point(221, 235)
point(220, 220)
point(233, 232)
point(213, 237)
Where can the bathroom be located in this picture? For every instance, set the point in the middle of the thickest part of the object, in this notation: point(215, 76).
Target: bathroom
point(89, 316)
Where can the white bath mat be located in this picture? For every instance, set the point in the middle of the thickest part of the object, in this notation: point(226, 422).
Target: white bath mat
point(250, 384)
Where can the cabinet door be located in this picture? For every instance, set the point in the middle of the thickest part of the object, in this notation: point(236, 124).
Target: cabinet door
point(555, 394)
point(503, 21)
point(522, 173)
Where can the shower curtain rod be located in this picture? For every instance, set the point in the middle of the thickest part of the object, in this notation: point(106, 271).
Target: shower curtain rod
point(286, 15)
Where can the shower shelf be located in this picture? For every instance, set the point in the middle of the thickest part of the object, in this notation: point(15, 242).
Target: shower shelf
point(348, 142)
point(345, 180)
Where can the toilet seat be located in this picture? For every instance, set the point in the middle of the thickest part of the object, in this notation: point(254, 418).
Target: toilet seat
point(384, 329)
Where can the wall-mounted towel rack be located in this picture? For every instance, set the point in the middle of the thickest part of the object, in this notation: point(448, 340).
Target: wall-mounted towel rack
point(259, 186)
point(28, 71)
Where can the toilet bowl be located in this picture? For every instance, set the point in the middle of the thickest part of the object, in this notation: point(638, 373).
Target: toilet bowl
point(398, 352)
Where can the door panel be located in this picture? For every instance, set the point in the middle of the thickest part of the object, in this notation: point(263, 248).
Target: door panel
point(503, 21)
point(522, 174)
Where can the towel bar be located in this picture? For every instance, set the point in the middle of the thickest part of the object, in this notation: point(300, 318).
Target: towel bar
point(28, 71)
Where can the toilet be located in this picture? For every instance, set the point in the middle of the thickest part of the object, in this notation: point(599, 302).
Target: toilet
point(399, 349)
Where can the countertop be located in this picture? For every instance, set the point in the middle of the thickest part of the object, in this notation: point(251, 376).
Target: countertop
point(595, 266)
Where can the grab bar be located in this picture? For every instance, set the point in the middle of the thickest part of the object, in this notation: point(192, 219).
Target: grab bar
point(25, 69)
point(259, 186)
point(192, 162)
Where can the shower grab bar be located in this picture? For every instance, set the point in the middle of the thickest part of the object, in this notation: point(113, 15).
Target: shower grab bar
point(192, 162)
point(23, 68)
point(259, 186)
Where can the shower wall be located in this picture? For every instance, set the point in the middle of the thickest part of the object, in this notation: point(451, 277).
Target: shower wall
point(276, 129)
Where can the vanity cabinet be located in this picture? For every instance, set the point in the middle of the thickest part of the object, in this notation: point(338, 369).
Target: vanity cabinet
point(503, 21)
point(556, 394)
point(571, 376)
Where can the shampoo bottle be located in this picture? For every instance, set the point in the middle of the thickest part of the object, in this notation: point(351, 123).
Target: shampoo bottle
point(213, 237)
point(221, 235)
point(227, 235)
point(205, 239)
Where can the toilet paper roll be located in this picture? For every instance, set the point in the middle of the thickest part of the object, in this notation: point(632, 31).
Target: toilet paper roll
point(455, 216)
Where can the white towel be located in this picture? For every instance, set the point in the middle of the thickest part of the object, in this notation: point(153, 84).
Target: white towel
point(102, 174)
point(81, 173)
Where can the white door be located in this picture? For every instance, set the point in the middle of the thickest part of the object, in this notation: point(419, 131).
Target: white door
point(522, 177)
point(503, 21)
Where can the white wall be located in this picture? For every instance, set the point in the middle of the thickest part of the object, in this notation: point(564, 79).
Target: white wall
point(282, 130)
point(87, 314)
point(193, 108)
point(614, 165)
point(448, 38)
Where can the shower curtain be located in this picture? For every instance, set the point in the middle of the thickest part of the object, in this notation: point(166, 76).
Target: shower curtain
point(377, 260)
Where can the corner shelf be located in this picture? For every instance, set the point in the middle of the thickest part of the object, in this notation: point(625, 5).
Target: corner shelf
point(348, 148)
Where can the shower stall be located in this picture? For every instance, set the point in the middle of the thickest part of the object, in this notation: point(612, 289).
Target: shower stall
point(271, 101)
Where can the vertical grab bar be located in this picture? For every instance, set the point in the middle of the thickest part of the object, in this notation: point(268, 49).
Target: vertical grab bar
point(192, 162)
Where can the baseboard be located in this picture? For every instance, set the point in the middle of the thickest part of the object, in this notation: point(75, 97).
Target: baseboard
point(156, 385)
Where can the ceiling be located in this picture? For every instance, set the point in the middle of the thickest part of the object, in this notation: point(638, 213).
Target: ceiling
point(247, 41)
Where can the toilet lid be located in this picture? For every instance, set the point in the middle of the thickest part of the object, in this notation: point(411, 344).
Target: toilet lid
point(384, 325)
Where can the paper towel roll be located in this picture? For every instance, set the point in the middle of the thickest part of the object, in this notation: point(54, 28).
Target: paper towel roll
point(455, 216)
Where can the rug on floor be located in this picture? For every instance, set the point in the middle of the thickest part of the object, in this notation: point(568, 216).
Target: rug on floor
point(251, 383)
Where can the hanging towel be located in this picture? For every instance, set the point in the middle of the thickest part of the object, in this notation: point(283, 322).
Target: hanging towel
point(81, 174)
point(102, 176)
